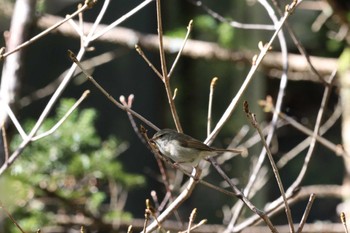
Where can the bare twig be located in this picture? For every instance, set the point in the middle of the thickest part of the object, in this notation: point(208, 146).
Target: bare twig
point(323, 141)
point(306, 213)
point(249, 77)
point(177, 202)
point(78, 29)
point(142, 54)
point(191, 219)
point(189, 28)
point(15, 121)
point(306, 142)
point(114, 101)
point(131, 118)
point(129, 229)
point(89, 64)
point(309, 154)
point(297, 42)
point(255, 124)
point(241, 196)
point(232, 23)
point(151, 210)
point(60, 122)
point(147, 215)
point(11, 217)
point(4, 140)
point(343, 221)
point(121, 19)
point(166, 78)
point(40, 35)
point(202, 222)
point(210, 103)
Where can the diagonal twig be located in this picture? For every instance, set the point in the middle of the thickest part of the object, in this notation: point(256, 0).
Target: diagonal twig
point(255, 124)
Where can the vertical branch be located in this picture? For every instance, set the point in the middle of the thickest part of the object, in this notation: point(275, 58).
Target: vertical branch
point(165, 78)
point(10, 81)
point(4, 140)
point(210, 104)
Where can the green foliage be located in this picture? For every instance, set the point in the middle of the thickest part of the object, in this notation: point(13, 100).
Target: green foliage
point(177, 33)
point(344, 61)
point(205, 27)
point(226, 35)
point(205, 23)
point(209, 29)
point(334, 45)
point(70, 171)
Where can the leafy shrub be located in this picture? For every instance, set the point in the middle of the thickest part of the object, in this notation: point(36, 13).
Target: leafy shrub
point(69, 173)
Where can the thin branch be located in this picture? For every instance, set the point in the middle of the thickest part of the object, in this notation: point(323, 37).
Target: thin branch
point(77, 29)
point(249, 77)
point(15, 121)
point(305, 143)
point(309, 154)
point(81, 26)
point(5, 142)
point(306, 213)
point(131, 118)
point(202, 222)
point(11, 217)
point(45, 32)
point(186, 193)
point(60, 122)
point(241, 196)
point(330, 145)
point(255, 124)
point(191, 219)
point(142, 54)
point(166, 78)
point(73, 57)
point(90, 37)
point(121, 19)
point(343, 221)
point(210, 103)
point(189, 28)
point(297, 42)
point(145, 224)
point(232, 23)
point(89, 64)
